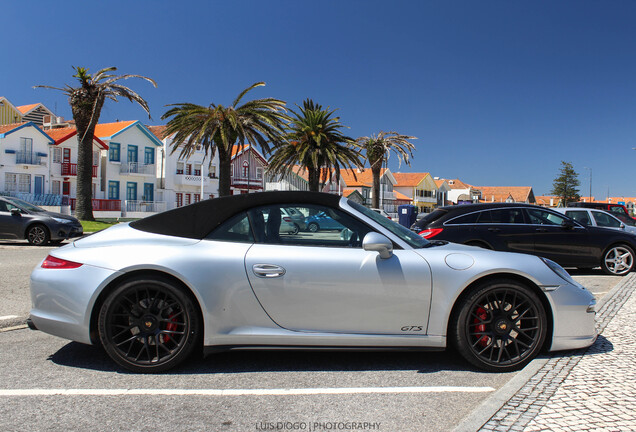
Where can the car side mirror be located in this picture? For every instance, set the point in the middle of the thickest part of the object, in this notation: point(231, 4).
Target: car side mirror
point(622, 226)
point(378, 243)
point(567, 224)
point(16, 212)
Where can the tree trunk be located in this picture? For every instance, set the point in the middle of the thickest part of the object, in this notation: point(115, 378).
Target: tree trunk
point(225, 172)
point(313, 176)
point(86, 106)
point(376, 171)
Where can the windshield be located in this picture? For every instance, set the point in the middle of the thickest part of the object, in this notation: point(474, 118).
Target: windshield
point(24, 205)
point(403, 233)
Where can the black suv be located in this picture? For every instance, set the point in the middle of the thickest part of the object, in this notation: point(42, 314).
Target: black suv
point(534, 230)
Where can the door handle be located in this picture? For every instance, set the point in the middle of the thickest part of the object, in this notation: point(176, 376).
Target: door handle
point(268, 270)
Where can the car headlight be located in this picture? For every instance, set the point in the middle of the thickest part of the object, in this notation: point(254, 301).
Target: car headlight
point(60, 220)
point(560, 271)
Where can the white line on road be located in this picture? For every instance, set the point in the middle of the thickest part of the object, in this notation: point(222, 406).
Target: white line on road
point(238, 392)
point(8, 317)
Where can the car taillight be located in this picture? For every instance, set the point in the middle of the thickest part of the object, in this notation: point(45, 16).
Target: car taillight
point(50, 262)
point(287, 219)
point(431, 232)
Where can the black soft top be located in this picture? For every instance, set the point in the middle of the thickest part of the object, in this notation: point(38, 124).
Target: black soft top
point(197, 220)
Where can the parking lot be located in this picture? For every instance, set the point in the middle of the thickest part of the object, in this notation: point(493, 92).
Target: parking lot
point(53, 384)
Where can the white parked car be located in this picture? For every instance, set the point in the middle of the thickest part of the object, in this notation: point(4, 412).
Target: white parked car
point(597, 218)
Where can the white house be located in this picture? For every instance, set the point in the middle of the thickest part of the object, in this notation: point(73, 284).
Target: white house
point(63, 172)
point(183, 181)
point(129, 171)
point(24, 159)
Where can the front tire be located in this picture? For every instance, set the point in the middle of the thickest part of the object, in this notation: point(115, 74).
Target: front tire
point(500, 326)
point(313, 227)
point(148, 325)
point(38, 235)
point(618, 260)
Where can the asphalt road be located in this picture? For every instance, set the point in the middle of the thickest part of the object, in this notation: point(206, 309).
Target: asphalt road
point(235, 391)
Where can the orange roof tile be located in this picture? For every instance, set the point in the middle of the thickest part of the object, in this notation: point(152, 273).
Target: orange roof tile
point(26, 108)
point(502, 193)
point(401, 197)
point(408, 179)
point(110, 129)
point(359, 177)
point(9, 127)
point(60, 135)
point(158, 131)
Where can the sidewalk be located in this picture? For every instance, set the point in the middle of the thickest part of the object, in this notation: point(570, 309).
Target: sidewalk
point(592, 389)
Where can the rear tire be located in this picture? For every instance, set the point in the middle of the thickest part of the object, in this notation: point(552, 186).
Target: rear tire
point(618, 260)
point(148, 325)
point(313, 227)
point(500, 326)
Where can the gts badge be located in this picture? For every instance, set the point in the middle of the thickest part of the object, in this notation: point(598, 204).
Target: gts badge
point(412, 328)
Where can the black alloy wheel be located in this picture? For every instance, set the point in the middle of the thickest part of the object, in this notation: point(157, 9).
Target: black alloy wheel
point(38, 235)
point(500, 326)
point(295, 230)
point(148, 325)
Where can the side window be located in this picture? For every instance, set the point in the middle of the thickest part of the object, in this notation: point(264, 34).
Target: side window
point(235, 229)
point(617, 209)
point(542, 217)
point(507, 216)
point(302, 225)
point(467, 219)
point(605, 220)
point(579, 216)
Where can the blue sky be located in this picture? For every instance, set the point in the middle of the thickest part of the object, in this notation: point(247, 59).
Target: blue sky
point(498, 93)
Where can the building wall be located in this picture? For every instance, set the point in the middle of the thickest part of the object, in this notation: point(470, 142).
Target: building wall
point(21, 177)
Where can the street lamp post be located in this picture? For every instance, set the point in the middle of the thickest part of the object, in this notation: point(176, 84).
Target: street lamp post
point(590, 182)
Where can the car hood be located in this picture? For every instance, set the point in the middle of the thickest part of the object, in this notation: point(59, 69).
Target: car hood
point(55, 215)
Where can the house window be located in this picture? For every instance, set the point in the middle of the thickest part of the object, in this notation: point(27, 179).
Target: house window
point(132, 154)
point(232, 171)
point(57, 155)
point(114, 152)
point(24, 183)
point(197, 170)
point(95, 158)
point(179, 168)
point(113, 190)
point(259, 173)
point(246, 169)
point(197, 198)
point(187, 199)
point(10, 182)
point(66, 188)
point(189, 169)
point(148, 192)
point(179, 199)
point(149, 156)
point(131, 191)
point(55, 187)
point(67, 155)
point(212, 171)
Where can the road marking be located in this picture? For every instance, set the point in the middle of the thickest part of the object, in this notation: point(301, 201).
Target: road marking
point(8, 329)
point(238, 392)
point(8, 317)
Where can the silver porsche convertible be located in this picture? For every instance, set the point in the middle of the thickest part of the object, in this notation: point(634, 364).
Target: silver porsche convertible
point(220, 274)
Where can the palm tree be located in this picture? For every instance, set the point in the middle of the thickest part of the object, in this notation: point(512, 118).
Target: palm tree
point(86, 103)
point(218, 128)
point(377, 150)
point(315, 142)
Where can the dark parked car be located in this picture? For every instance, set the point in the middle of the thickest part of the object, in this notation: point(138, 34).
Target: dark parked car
point(534, 230)
point(618, 210)
point(22, 220)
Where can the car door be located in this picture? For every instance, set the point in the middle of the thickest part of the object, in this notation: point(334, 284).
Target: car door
point(504, 229)
point(11, 225)
point(606, 220)
point(562, 240)
point(326, 282)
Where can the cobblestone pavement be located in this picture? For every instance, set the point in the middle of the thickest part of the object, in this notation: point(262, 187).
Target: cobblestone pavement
point(592, 389)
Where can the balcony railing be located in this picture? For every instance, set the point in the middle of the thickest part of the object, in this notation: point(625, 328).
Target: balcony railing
point(70, 169)
point(29, 158)
point(137, 168)
point(185, 179)
point(100, 204)
point(145, 206)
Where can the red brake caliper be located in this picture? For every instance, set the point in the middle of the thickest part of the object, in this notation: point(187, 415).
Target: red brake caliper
point(483, 315)
point(171, 326)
